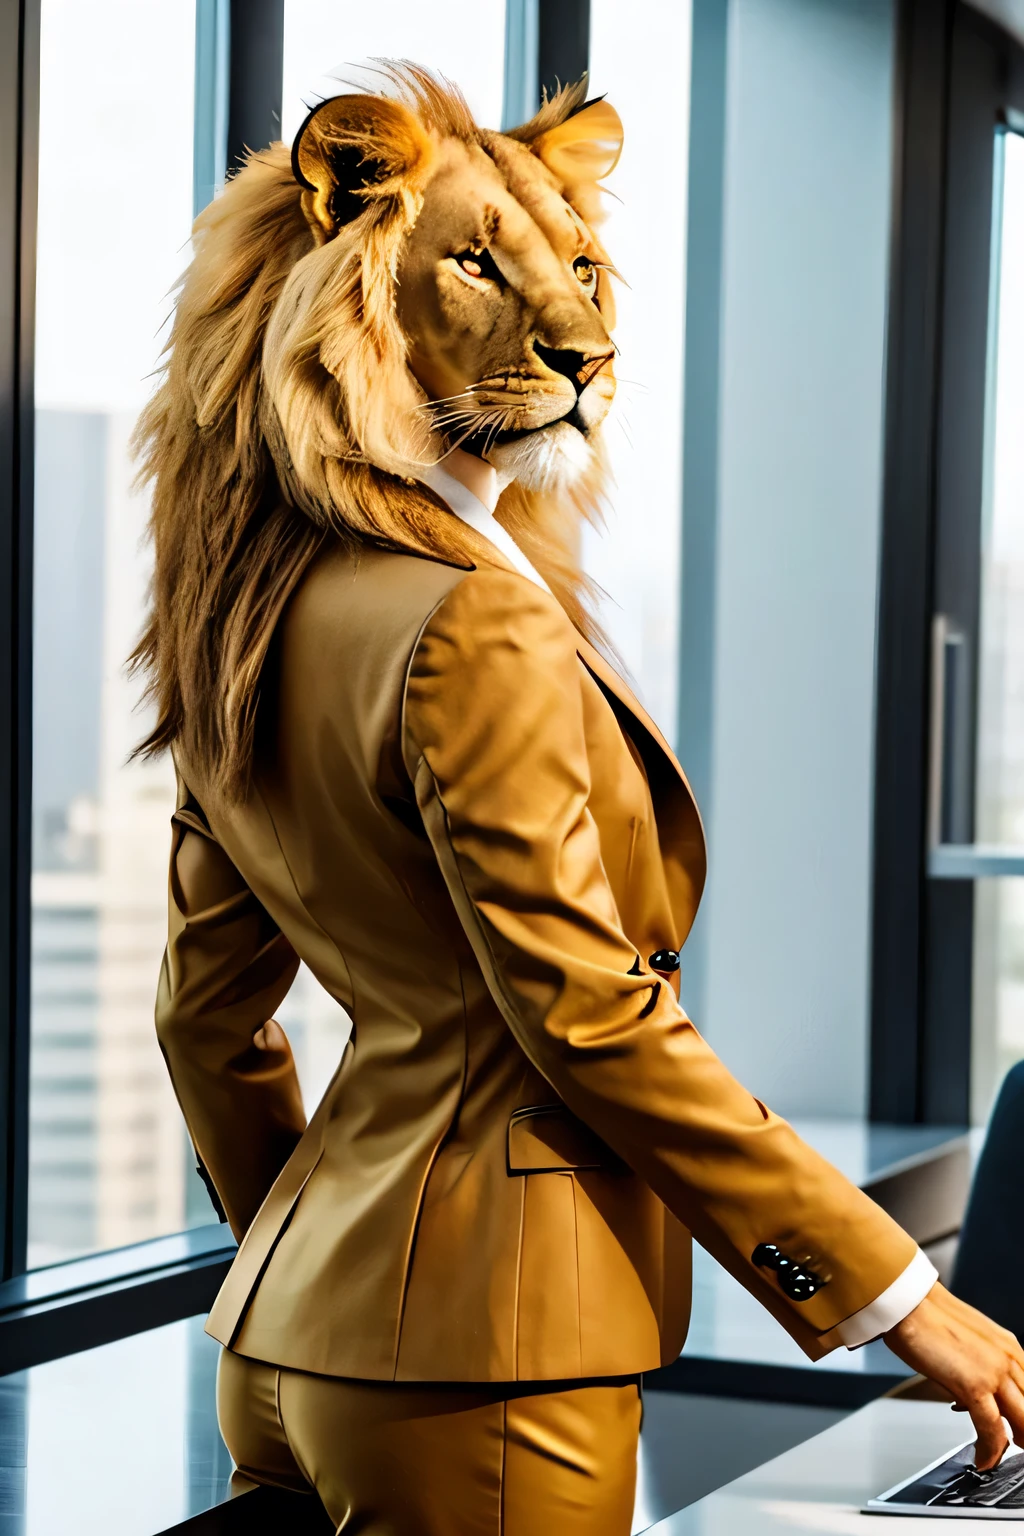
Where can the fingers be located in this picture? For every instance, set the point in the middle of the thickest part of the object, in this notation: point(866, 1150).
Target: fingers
point(979, 1363)
point(988, 1428)
point(1010, 1401)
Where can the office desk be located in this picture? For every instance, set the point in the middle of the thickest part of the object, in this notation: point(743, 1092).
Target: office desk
point(817, 1488)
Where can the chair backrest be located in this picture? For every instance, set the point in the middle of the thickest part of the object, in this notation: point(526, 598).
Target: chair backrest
point(989, 1269)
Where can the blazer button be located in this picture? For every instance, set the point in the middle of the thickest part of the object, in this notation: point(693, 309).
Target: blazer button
point(796, 1282)
point(766, 1256)
point(664, 961)
point(799, 1284)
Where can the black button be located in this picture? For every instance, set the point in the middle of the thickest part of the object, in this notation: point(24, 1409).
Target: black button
point(664, 960)
point(799, 1284)
point(796, 1282)
point(766, 1256)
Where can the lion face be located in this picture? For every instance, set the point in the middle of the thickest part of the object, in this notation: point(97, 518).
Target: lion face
point(498, 297)
point(463, 259)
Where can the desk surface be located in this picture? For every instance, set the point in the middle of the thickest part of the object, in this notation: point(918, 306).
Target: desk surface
point(865, 1152)
point(817, 1488)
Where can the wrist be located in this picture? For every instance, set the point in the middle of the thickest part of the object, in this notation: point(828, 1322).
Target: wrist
point(910, 1327)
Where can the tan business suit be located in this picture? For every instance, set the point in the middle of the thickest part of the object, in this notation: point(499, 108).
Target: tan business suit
point(467, 827)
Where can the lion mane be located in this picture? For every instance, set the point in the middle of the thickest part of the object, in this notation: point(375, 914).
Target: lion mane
point(270, 434)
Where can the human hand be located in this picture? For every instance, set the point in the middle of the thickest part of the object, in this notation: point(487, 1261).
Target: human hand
point(981, 1364)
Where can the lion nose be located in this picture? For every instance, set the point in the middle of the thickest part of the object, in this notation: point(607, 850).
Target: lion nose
point(578, 367)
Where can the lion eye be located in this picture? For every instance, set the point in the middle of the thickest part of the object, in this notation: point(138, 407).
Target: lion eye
point(585, 271)
point(478, 264)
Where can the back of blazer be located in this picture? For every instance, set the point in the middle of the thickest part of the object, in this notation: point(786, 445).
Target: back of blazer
point(467, 828)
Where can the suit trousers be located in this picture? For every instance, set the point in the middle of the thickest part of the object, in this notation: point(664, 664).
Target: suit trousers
point(477, 1460)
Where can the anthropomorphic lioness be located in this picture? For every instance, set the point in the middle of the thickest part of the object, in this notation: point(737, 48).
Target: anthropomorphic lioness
point(401, 759)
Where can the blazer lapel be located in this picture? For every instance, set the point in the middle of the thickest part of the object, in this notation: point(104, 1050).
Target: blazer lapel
point(680, 829)
point(616, 684)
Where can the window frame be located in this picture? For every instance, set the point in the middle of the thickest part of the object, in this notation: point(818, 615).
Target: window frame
point(63, 1308)
point(76, 1305)
point(19, 106)
point(959, 74)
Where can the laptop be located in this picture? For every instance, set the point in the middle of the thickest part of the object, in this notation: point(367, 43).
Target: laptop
point(952, 1486)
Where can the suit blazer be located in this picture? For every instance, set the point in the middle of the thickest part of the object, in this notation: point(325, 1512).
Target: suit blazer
point(468, 828)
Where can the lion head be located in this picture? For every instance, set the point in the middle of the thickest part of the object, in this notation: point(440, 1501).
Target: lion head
point(488, 295)
point(402, 282)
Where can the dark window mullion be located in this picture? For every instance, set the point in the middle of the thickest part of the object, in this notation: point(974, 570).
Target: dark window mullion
point(255, 70)
point(901, 711)
point(563, 42)
point(19, 114)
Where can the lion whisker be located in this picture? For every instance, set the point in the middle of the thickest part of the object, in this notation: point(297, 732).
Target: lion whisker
point(479, 413)
point(499, 425)
point(606, 266)
point(455, 411)
point(458, 410)
point(467, 434)
point(430, 405)
point(490, 419)
point(457, 419)
point(471, 420)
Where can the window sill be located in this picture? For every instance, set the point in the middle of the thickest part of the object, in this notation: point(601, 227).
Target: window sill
point(77, 1305)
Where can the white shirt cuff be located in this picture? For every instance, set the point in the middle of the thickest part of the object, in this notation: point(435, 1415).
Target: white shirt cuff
point(896, 1302)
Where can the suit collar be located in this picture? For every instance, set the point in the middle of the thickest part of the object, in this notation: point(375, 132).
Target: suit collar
point(478, 515)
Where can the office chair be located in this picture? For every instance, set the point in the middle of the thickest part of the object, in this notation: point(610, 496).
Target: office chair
point(989, 1269)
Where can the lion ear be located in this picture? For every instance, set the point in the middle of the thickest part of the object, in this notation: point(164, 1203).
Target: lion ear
point(586, 147)
point(352, 150)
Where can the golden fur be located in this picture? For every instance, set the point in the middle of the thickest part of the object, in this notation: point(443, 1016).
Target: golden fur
point(282, 422)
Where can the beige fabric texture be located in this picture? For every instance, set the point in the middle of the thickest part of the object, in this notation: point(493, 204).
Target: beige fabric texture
point(468, 828)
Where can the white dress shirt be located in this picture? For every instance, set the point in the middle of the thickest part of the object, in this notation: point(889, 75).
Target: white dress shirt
point(480, 516)
point(899, 1299)
point(896, 1302)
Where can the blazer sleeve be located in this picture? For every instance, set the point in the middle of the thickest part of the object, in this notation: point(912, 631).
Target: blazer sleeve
point(226, 968)
point(494, 743)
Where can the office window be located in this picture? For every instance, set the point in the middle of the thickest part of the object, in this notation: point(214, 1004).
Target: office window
point(639, 56)
point(107, 1153)
point(999, 903)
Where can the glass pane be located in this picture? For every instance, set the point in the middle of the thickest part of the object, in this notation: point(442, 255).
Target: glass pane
point(640, 57)
point(998, 1013)
point(107, 1150)
point(324, 41)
